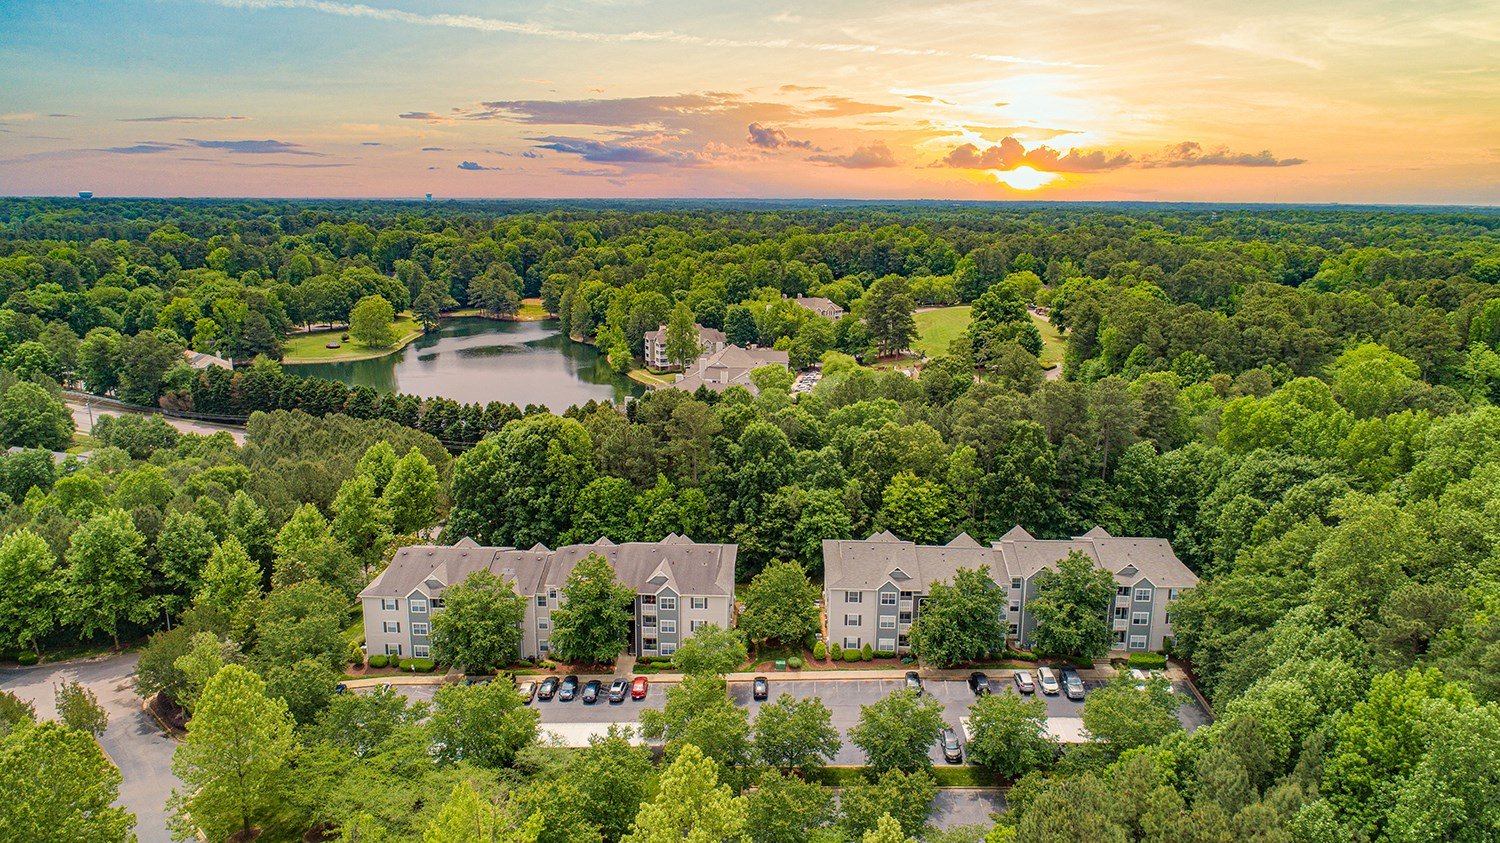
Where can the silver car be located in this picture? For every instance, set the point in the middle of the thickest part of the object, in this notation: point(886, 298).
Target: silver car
point(1024, 683)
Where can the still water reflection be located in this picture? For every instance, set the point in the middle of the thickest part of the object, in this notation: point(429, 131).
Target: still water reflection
point(483, 360)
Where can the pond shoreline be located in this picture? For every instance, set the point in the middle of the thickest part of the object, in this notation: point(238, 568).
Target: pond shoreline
point(530, 312)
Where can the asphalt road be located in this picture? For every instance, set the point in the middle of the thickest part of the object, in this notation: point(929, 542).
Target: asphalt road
point(133, 740)
point(84, 419)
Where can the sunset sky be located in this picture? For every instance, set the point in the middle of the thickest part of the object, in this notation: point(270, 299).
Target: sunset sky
point(1069, 99)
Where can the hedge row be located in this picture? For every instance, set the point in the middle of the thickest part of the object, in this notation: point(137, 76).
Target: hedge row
point(1147, 661)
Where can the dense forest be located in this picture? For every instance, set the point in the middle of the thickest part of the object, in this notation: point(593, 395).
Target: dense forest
point(1302, 400)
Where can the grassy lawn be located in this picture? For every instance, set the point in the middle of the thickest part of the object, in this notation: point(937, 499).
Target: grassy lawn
point(309, 348)
point(646, 377)
point(937, 328)
point(532, 310)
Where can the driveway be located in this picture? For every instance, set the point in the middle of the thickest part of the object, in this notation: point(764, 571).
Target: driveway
point(133, 740)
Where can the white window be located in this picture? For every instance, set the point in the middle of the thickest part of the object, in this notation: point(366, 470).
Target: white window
point(648, 599)
point(853, 620)
point(852, 596)
point(393, 649)
point(1015, 606)
point(541, 599)
point(421, 651)
point(544, 646)
point(667, 604)
point(887, 598)
point(668, 649)
point(417, 605)
point(669, 627)
point(1140, 619)
point(649, 621)
point(694, 626)
point(1172, 594)
point(1168, 619)
point(1137, 642)
point(551, 594)
point(1015, 583)
point(392, 626)
point(851, 643)
point(1143, 595)
point(699, 603)
point(418, 628)
point(1012, 629)
point(888, 622)
point(887, 645)
point(388, 604)
point(544, 624)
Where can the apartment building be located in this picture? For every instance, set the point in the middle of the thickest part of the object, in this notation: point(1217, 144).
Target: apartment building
point(730, 366)
point(680, 585)
point(874, 589)
point(821, 306)
point(654, 352)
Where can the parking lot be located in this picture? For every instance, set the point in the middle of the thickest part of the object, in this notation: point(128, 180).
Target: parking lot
point(842, 696)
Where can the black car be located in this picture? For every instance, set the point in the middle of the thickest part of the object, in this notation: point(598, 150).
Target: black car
point(761, 688)
point(1072, 685)
point(618, 689)
point(568, 690)
point(914, 682)
point(591, 691)
point(953, 751)
point(979, 684)
point(548, 688)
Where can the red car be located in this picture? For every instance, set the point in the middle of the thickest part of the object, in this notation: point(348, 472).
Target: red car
point(638, 688)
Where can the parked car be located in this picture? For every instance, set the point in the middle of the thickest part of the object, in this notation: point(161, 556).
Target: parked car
point(1048, 680)
point(1142, 678)
point(1024, 683)
point(548, 688)
point(1072, 684)
point(340, 688)
point(979, 684)
point(760, 689)
point(618, 689)
point(568, 689)
point(953, 751)
point(638, 688)
point(527, 690)
point(914, 682)
point(591, 691)
point(476, 680)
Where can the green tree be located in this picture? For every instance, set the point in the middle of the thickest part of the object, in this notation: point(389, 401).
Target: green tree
point(1010, 735)
point(1371, 380)
point(1069, 608)
point(231, 581)
point(780, 605)
point(370, 322)
point(917, 510)
point(787, 809)
point(306, 686)
point(518, 487)
point(411, 495)
point(961, 622)
point(905, 797)
point(887, 830)
point(612, 778)
point(690, 806)
point(79, 709)
point(593, 623)
point(204, 657)
point(377, 463)
point(234, 763)
point(32, 600)
point(480, 628)
point(699, 713)
point(711, 650)
point(31, 418)
point(301, 621)
point(1121, 717)
point(481, 724)
point(56, 786)
point(793, 734)
point(184, 546)
point(896, 732)
point(469, 818)
point(682, 336)
point(887, 310)
point(106, 571)
point(360, 521)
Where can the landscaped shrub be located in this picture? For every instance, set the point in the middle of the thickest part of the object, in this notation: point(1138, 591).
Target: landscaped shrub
point(27, 659)
point(835, 651)
point(866, 653)
point(405, 664)
point(820, 651)
point(1147, 661)
point(1020, 655)
point(795, 662)
point(379, 660)
point(420, 665)
point(885, 654)
point(851, 655)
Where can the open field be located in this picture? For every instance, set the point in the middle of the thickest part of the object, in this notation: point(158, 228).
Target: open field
point(309, 347)
point(938, 327)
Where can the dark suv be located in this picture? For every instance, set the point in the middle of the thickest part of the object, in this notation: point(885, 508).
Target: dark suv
point(568, 690)
point(979, 684)
point(1072, 684)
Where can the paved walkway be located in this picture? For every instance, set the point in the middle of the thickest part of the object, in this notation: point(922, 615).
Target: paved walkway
point(85, 416)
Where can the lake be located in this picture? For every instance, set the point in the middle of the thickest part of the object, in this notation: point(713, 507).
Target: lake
point(474, 360)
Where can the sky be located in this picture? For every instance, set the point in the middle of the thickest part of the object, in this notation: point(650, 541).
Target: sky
point(1275, 101)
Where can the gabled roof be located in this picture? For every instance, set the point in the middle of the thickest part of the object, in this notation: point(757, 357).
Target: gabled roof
point(1097, 532)
point(963, 540)
point(466, 542)
point(1015, 533)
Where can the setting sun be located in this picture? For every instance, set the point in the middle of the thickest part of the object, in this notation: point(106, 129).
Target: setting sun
point(1024, 178)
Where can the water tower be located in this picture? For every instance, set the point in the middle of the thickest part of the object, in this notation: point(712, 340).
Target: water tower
point(429, 197)
point(85, 194)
